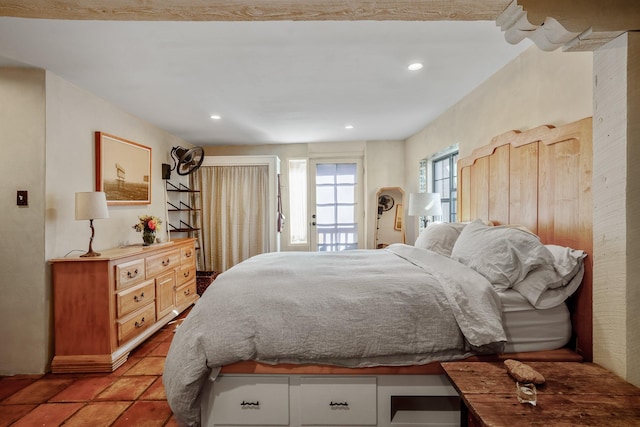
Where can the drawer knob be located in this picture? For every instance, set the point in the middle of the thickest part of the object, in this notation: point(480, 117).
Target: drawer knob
point(132, 274)
point(137, 298)
point(140, 324)
point(339, 404)
point(255, 404)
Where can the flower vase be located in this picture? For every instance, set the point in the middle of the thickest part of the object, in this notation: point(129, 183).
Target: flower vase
point(148, 237)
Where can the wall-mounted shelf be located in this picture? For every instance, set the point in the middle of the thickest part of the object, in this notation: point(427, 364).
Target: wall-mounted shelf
point(183, 211)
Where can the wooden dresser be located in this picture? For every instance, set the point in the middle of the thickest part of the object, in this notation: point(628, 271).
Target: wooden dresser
point(106, 306)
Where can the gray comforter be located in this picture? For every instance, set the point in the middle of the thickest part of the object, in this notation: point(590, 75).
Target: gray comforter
point(397, 306)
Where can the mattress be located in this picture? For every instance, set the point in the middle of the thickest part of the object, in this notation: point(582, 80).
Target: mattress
point(531, 329)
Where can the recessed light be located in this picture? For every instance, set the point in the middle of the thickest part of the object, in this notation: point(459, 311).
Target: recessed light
point(415, 66)
point(348, 126)
point(215, 117)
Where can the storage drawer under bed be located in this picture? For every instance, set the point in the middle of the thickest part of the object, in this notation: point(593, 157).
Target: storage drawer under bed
point(244, 401)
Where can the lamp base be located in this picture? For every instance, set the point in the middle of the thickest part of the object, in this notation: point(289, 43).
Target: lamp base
point(90, 254)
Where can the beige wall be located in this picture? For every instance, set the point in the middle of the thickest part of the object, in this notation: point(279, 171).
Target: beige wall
point(47, 135)
point(24, 306)
point(616, 189)
point(534, 89)
point(383, 163)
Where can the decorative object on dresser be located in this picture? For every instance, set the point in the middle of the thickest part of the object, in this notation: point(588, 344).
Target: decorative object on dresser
point(91, 205)
point(424, 205)
point(148, 225)
point(123, 170)
point(107, 305)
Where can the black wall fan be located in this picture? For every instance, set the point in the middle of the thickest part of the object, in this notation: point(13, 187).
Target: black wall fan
point(185, 161)
point(385, 203)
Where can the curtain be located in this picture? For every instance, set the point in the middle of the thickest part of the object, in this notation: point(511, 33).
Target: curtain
point(234, 214)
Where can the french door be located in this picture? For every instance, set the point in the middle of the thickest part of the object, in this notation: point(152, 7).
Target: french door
point(336, 200)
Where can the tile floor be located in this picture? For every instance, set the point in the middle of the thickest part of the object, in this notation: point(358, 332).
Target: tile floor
point(131, 396)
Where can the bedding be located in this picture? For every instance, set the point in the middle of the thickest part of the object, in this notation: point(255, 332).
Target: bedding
point(532, 329)
point(512, 257)
point(397, 306)
point(439, 237)
point(502, 254)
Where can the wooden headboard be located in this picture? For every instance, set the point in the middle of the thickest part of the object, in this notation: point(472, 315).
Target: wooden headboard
point(540, 178)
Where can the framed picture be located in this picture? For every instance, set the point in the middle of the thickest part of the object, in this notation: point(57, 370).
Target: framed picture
point(123, 170)
point(397, 225)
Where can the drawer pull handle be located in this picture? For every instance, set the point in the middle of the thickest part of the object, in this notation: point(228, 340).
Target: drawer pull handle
point(166, 262)
point(138, 298)
point(186, 274)
point(187, 292)
point(132, 274)
point(250, 404)
point(188, 254)
point(339, 404)
point(140, 324)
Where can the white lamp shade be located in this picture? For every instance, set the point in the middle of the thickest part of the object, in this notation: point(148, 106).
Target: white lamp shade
point(91, 205)
point(424, 204)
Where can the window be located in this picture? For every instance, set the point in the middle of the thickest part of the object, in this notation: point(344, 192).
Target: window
point(440, 175)
point(337, 228)
point(445, 181)
point(298, 224)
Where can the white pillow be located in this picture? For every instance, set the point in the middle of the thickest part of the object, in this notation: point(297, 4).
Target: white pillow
point(439, 237)
point(547, 287)
point(502, 254)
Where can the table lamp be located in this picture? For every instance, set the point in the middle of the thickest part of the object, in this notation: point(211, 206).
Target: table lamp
point(91, 205)
point(424, 205)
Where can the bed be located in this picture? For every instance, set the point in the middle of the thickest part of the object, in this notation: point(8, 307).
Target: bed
point(363, 332)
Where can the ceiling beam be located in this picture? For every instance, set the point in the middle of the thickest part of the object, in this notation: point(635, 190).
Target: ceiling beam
point(265, 10)
point(574, 26)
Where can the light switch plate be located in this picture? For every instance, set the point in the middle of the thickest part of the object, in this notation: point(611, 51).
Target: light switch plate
point(22, 198)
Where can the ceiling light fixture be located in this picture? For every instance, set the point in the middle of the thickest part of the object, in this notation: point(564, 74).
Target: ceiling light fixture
point(215, 117)
point(348, 127)
point(415, 66)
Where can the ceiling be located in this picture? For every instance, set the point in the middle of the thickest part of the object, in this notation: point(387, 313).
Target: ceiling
point(281, 81)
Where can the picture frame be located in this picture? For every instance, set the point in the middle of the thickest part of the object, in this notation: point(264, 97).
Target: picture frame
point(123, 170)
point(397, 224)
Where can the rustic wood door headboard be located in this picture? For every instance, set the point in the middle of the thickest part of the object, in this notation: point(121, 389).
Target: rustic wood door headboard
point(540, 178)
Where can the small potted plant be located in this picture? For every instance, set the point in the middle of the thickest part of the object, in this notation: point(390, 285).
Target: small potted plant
point(148, 225)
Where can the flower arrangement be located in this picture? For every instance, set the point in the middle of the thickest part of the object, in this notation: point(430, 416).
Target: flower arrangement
point(148, 223)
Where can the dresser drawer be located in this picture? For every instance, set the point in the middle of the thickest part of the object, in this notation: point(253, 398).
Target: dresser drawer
point(186, 273)
point(136, 322)
point(188, 255)
point(242, 401)
point(165, 261)
point(186, 293)
point(339, 401)
point(135, 297)
point(129, 273)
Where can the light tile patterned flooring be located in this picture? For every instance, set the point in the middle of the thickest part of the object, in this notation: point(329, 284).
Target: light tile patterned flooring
point(131, 396)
